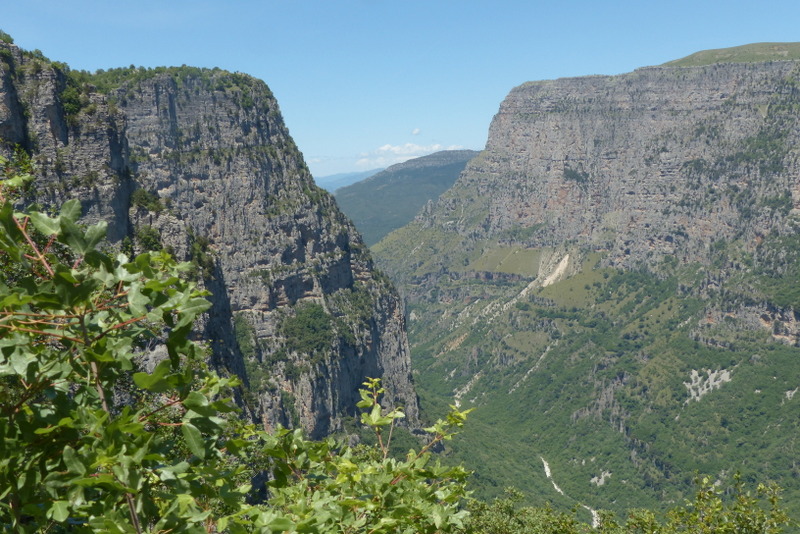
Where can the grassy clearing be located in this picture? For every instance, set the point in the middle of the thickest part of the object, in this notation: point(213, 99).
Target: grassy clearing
point(509, 260)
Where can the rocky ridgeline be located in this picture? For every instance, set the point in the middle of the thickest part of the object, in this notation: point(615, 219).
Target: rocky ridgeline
point(658, 162)
point(200, 162)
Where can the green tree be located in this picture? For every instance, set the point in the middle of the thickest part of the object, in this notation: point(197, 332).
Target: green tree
point(329, 487)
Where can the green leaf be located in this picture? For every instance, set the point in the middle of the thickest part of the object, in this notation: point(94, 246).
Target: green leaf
point(194, 440)
point(20, 361)
point(191, 309)
point(136, 300)
point(154, 381)
point(71, 210)
point(17, 181)
point(72, 235)
point(280, 524)
point(95, 233)
point(72, 461)
point(59, 511)
point(198, 402)
point(44, 224)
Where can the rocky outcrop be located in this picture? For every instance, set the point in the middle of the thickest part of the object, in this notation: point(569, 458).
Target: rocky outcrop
point(200, 162)
point(659, 162)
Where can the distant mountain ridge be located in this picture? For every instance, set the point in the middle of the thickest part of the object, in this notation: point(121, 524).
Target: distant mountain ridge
point(333, 182)
point(391, 198)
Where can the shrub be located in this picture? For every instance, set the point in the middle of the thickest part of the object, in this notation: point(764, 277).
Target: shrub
point(149, 238)
point(309, 331)
point(142, 198)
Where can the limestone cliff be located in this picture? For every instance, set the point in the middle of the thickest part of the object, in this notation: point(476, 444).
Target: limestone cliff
point(624, 246)
point(664, 163)
point(200, 162)
point(661, 161)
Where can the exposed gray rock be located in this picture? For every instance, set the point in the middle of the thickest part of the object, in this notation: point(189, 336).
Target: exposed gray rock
point(661, 161)
point(230, 191)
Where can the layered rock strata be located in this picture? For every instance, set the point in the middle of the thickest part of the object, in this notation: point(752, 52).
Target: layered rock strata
point(200, 162)
point(661, 161)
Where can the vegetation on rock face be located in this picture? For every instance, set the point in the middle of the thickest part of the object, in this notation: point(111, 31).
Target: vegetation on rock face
point(142, 198)
point(309, 331)
point(148, 238)
point(606, 357)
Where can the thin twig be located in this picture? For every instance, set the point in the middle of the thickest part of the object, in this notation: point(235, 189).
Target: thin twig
point(39, 255)
point(172, 402)
point(132, 510)
point(117, 327)
point(32, 331)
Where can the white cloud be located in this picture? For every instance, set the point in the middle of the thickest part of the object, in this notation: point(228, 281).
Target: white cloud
point(416, 131)
point(387, 154)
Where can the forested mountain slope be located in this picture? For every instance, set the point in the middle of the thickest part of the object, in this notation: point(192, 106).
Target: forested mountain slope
point(199, 162)
point(391, 198)
point(613, 285)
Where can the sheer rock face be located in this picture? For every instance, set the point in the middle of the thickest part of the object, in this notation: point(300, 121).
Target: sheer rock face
point(227, 188)
point(661, 161)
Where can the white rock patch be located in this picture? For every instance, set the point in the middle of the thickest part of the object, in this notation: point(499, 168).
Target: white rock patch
point(699, 385)
point(600, 480)
point(548, 474)
point(558, 273)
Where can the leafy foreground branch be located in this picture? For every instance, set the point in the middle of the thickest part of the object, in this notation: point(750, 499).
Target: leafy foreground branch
point(90, 442)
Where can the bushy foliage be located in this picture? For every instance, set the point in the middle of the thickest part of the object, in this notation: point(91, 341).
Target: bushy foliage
point(144, 199)
point(309, 331)
point(711, 511)
point(328, 487)
point(71, 458)
point(91, 442)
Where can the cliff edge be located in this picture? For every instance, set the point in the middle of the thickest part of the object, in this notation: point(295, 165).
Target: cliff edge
point(199, 161)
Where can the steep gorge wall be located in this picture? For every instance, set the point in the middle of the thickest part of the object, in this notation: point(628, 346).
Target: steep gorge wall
point(225, 186)
point(659, 162)
point(624, 244)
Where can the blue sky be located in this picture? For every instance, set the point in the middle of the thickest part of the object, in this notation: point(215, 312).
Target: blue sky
point(364, 84)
